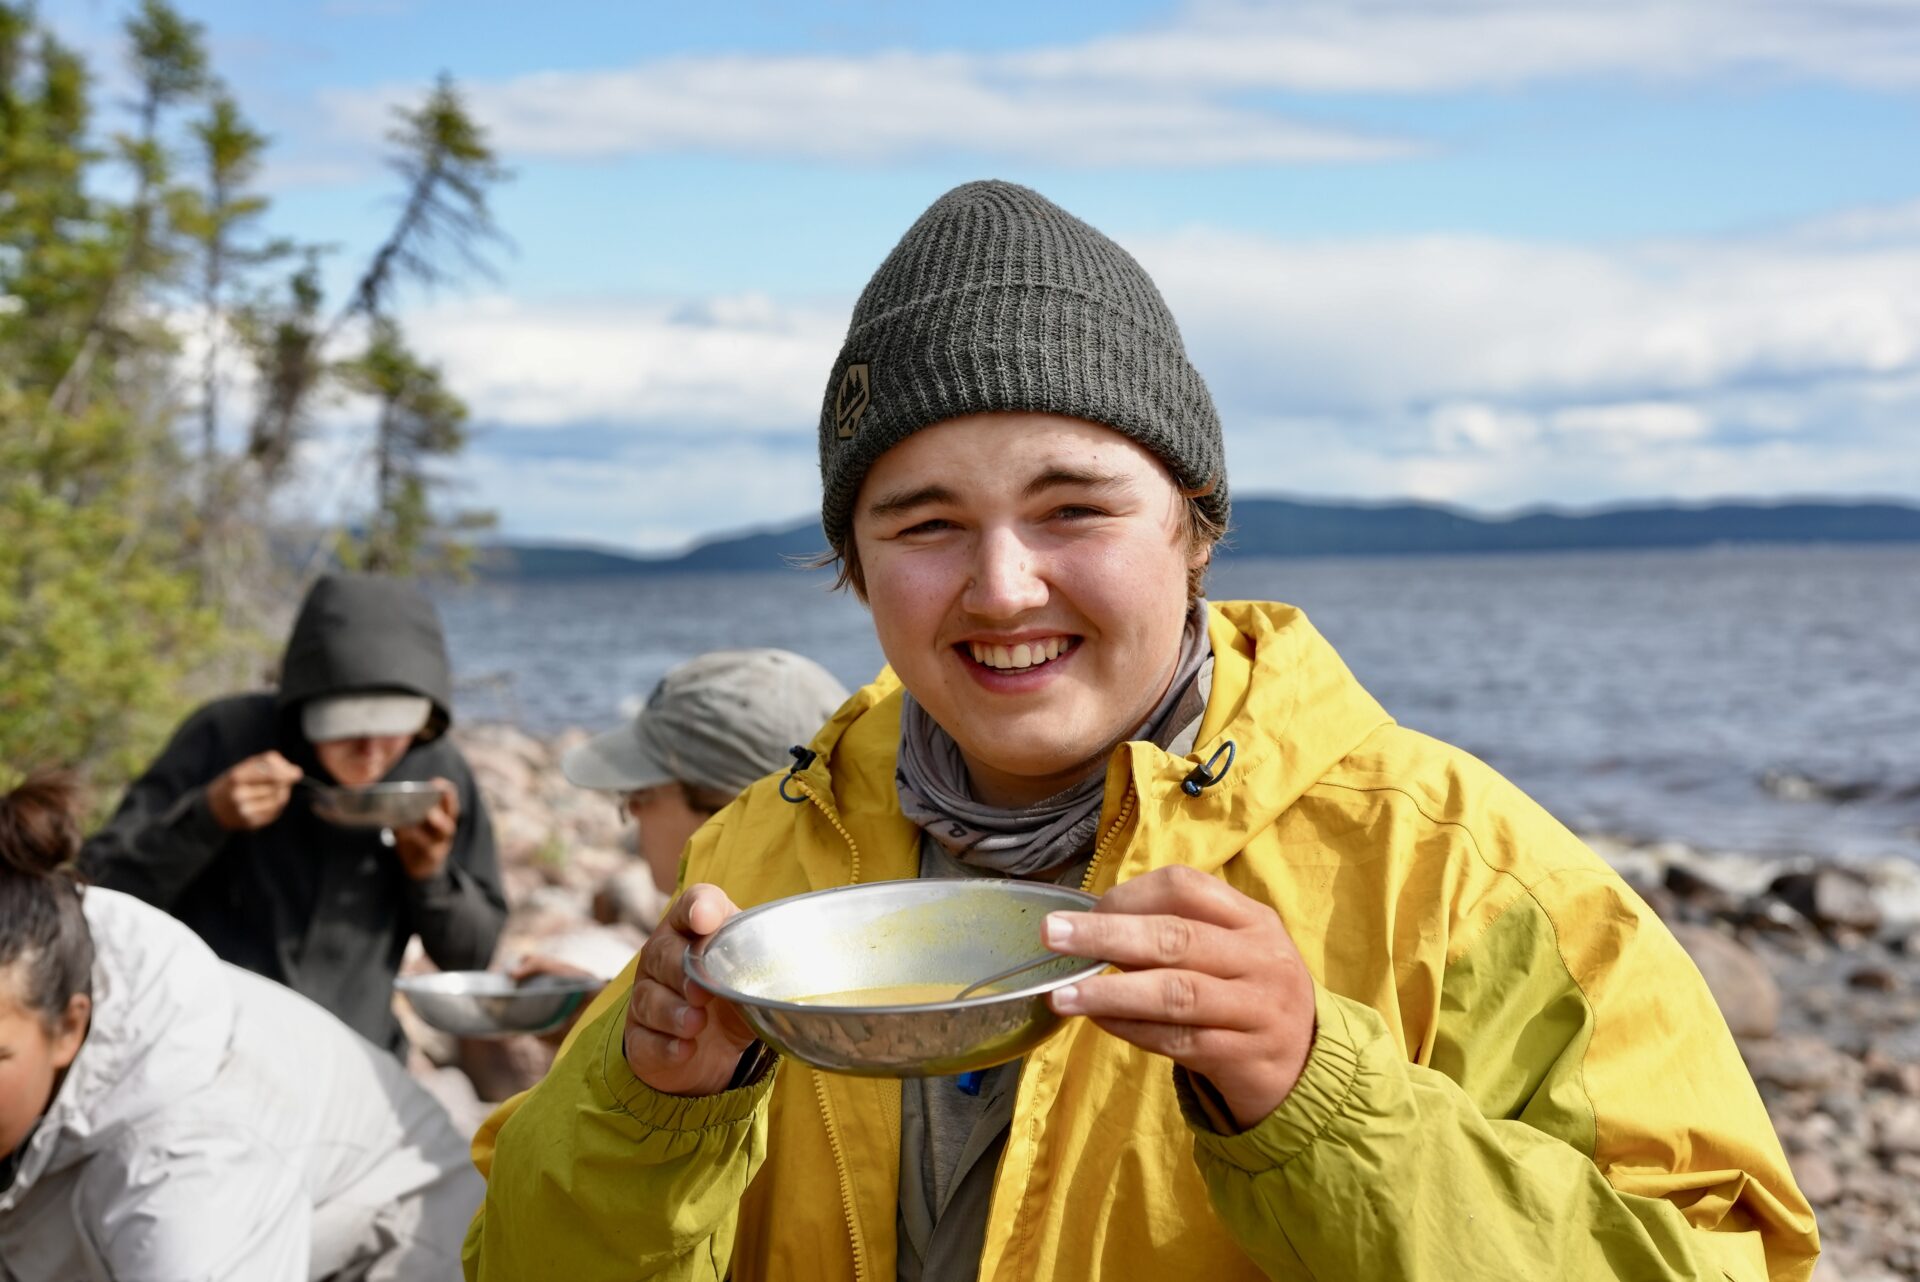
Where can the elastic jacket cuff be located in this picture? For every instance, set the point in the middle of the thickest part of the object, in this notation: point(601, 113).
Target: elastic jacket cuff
point(1317, 1099)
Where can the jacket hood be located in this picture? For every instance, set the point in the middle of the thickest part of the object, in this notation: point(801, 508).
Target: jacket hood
point(1281, 696)
point(358, 633)
point(163, 1017)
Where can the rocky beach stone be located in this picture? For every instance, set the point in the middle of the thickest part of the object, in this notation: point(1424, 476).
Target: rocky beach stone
point(1698, 896)
point(1798, 1064)
point(1831, 898)
point(629, 897)
point(1879, 979)
point(1817, 1177)
point(1740, 982)
point(1898, 1129)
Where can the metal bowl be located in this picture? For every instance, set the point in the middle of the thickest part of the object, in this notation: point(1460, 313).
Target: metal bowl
point(484, 1003)
point(378, 805)
point(769, 959)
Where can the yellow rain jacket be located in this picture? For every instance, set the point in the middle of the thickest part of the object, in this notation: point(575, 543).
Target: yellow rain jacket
point(1517, 1073)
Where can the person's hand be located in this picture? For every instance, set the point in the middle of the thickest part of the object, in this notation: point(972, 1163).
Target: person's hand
point(253, 793)
point(533, 965)
point(1210, 979)
point(423, 848)
point(680, 1039)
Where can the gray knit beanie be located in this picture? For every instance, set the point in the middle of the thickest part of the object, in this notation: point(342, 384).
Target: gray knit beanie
point(998, 299)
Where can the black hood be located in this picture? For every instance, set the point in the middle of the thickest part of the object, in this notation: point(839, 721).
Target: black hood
point(357, 634)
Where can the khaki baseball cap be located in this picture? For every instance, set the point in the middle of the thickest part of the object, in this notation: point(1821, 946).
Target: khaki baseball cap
point(720, 721)
point(363, 716)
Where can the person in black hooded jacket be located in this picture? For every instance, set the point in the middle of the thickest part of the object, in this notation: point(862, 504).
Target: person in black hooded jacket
point(217, 833)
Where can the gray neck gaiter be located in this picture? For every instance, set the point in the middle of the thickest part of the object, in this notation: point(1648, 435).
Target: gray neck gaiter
point(935, 793)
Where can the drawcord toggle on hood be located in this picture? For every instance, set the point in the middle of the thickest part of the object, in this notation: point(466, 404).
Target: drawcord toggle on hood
point(1202, 777)
point(1209, 774)
point(802, 758)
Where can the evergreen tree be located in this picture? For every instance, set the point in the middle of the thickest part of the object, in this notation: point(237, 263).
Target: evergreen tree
point(136, 567)
point(449, 168)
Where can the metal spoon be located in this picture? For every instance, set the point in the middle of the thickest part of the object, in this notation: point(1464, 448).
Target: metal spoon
point(1008, 973)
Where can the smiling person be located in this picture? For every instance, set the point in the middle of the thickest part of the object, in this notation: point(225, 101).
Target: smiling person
point(218, 832)
point(1375, 1014)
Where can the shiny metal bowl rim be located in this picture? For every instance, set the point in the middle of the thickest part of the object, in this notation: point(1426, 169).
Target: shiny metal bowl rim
point(692, 961)
point(372, 791)
point(426, 992)
point(446, 983)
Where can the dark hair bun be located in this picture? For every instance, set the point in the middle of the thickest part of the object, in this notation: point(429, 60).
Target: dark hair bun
point(40, 825)
point(41, 920)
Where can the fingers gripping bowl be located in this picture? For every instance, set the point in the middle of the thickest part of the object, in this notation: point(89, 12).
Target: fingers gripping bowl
point(803, 971)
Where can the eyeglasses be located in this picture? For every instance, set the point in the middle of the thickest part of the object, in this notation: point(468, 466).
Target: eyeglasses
point(629, 800)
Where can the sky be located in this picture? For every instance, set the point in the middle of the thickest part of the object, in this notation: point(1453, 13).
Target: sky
point(1495, 253)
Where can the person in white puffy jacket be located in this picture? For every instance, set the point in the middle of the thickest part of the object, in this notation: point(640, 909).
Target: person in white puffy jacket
point(166, 1116)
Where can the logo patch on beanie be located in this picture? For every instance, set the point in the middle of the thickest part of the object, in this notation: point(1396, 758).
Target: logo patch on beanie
point(851, 401)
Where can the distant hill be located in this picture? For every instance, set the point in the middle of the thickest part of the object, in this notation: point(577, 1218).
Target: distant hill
point(1291, 527)
point(1281, 527)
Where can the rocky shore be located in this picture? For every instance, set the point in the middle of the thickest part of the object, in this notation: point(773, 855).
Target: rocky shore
point(1816, 967)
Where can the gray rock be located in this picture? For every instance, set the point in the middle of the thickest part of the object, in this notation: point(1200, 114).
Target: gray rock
point(502, 1067)
point(1767, 915)
point(1740, 983)
point(1885, 1074)
point(1698, 896)
point(1897, 1129)
point(1831, 898)
point(1799, 1064)
point(629, 897)
point(1876, 979)
point(1817, 1177)
point(602, 951)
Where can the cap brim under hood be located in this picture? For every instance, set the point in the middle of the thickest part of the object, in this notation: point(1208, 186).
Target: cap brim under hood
point(358, 633)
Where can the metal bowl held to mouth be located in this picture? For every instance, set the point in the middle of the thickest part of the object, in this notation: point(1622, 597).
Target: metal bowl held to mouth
point(483, 1003)
point(795, 966)
point(378, 805)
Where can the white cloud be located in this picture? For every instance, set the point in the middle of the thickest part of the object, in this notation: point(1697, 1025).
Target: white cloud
point(1471, 425)
point(744, 362)
point(1633, 424)
point(1417, 46)
point(1373, 325)
point(655, 500)
point(1179, 95)
point(1494, 373)
point(869, 109)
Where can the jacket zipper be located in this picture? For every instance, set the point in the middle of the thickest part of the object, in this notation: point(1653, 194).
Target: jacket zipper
point(1120, 818)
point(819, 1086)
point(846, 1182)
point(1016, 1239)
point(853, 869)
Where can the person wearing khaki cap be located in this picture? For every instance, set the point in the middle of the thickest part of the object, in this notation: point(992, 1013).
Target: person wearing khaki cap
point(714, 725)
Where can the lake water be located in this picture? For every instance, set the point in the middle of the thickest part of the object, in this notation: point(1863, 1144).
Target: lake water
point(1751, 699)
